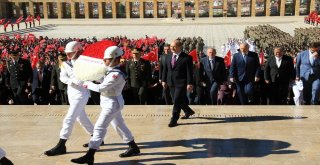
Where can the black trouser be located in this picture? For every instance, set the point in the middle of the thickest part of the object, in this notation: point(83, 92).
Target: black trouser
point(139, 95)
point(278, 93)
point(166, 96)
point(19, 96)
point(179, 95)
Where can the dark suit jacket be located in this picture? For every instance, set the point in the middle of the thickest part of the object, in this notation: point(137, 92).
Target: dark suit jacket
point(55, 78)
point(45, 84)
point(218, 74)
point(19, 74)
point(241, 71)
point(162, 64)
point(181, 74)
point(284, 73)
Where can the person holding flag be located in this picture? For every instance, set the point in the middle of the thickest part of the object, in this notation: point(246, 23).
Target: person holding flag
point(6, 25)
point(38, 19)
point(18, 21)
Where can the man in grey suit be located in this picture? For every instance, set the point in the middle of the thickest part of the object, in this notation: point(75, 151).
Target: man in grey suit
point(244, 71)
point(308, 70)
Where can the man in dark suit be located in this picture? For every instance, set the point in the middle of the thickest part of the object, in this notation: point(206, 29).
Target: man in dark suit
point(278, 73)
point(177, 74)
point(165, 91)
point(214, 71)
point(308, 70)
point(41, 84)
point(139, 76)
point(244, 71)
point(57, 88)
point(19, 76)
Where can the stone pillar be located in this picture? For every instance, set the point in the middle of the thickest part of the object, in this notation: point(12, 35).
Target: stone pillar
point(169, 8)
point(18, 10)
point(239, 8)
point(86, 9)
point(73, 12)
point(196, 6)
point(127, 9)
point(297, 7)
point(282, 7)
point(225, 8)
point(210, 8)
point(183, 8)
point(31, 8)
point(59, 9)
point(100, 9)
point(253, 8)
point(45, 9)
point(312, 5)
point(114, 9)
point(141, 9)
point(267, 7)
point(155, 9)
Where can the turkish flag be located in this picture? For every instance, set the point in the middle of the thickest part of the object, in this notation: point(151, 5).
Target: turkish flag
point(151, 56)
point(38, 18)
point(227, 58)
point(194, 55)
point(19, 19)
point(2, 21)
point(6, 24)
point(127, 53)
point(261, 58)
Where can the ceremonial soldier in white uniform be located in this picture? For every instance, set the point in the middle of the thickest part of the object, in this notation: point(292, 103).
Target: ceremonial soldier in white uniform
point(78, 98)
point(111, 102)
point(3, 159)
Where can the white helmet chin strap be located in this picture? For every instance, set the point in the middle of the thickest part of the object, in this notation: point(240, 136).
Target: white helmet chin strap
point(111, 62)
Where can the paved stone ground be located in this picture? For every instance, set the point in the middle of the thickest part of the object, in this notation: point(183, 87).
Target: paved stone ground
point(228, 135)
point(214, 31)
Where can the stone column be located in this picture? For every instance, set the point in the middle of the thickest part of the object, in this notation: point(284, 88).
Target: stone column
point(225, 8)
point(169, 8)
point(18, 10)
point(155, 9)
point(183, 8)
point(282, 7)
point(114, 10)
point(86, 9)
point(31, 8)
point(72, 6)
point(267, 7)
point(141, 9)
point(210, 8)
point(239, 8)
point(59, 9)
point(45, 9)
point(196, 6)
point(297, 7)
point(100, 9)
point(312, 5)
point(127, 9)
point(253, 8)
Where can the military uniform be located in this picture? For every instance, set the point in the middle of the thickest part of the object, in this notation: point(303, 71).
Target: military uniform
point(139, 77)
point(19, 75)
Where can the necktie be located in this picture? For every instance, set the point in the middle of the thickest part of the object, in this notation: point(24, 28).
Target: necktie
point(211, 64)
point(245, 59)
point(173, 60)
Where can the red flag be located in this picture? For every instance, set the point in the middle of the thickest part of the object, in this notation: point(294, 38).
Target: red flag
point(227, 58)
point(17, 36)
point(38, 18)
point(6, 24)
point(34, 60)
point(151, 56)
point(2, 21)
point(19, 19)
point(127, 53)
point(194, 55)
point(261, 58)
point(27, 19)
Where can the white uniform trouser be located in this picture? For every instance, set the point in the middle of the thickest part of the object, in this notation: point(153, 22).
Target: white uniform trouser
point(110, 113)
point(2, 153)
point(298, 95)
point(76, 111)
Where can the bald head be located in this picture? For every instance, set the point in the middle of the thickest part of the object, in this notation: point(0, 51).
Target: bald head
point(176, 46)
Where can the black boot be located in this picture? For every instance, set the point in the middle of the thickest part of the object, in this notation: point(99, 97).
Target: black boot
point(59, 149)
point(87, 144)
point(88, 158)
point(5, 161)
point(133, 150)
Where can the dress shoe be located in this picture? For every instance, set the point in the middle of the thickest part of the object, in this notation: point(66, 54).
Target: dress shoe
point(133, 150)
point(87, 144)
point(186, 116)
point(172, 124)
point(88, 158)
point(59, 149)
point(5, 161)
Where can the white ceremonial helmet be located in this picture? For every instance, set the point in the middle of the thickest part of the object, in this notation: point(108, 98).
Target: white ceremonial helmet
point(73, 46)
point(112, 52)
